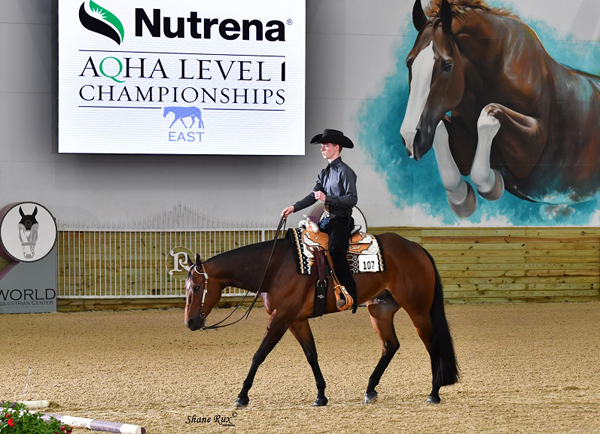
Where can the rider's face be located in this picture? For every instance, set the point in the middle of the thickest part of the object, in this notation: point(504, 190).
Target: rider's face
point(329, 151)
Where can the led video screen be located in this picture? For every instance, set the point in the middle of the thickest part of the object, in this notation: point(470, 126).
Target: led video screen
point(185, 77)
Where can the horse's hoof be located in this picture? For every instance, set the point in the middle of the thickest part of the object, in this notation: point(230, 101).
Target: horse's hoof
point(433, 399)
point(467, 206)
point(497, 190)
point(320, 402)
point(241, 402)
point(370, 397)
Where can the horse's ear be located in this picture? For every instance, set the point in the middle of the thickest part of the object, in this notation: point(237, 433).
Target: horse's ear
point(198, 261)
point(34, 211)
point(21, 212)
point(419, 18)
point(190, 261)
point(446, 17)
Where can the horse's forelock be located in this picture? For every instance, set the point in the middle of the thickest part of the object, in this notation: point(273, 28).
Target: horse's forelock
point(459, 7)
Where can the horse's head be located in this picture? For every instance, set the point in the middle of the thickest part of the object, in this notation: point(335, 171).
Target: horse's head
point(166, 111)
point(201, 294)
point(28, 232)
point(436, 78)
point(28, 220)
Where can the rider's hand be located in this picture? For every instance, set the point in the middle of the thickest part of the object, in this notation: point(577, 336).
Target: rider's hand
point(319, 195)
point(286, 212)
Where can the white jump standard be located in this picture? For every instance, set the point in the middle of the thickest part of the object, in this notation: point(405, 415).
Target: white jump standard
point(96, 425)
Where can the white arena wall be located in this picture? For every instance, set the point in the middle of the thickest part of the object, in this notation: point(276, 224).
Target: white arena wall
point(344, 40)
point(350, 51)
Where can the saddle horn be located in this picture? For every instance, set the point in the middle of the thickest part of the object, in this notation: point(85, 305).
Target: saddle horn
point(419, 18)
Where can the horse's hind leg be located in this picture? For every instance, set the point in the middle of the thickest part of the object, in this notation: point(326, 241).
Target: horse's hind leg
point(276, 328)
point(422, 322)
point(301, 330)
point(382, 310)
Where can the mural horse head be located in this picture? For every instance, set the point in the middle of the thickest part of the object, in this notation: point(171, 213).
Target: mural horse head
point(492, 103)
point(410, 280)
point(28, 232)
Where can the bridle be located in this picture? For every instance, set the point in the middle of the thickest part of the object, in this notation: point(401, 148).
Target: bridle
point(205, 291)
point(280, 228)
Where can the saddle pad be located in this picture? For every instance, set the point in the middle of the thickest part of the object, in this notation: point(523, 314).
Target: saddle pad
point(369, 260)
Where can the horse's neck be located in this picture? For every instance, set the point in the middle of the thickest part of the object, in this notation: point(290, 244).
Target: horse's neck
point(238, 268)
point(501, 50)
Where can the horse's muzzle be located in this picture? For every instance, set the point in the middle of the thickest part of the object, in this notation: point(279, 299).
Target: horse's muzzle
point(196, 323)
point(422, 144)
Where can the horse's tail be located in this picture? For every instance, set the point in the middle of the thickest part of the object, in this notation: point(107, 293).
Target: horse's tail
point(443, 358)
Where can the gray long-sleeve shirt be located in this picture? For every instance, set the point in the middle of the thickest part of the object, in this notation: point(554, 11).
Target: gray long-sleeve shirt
point(338, 182)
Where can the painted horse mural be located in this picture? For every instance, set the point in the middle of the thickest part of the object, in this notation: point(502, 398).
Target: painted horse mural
point(495, 107)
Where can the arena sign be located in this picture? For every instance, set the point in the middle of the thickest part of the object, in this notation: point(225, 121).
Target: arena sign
point(185, 77)
point(27, 231)
point(28, 236)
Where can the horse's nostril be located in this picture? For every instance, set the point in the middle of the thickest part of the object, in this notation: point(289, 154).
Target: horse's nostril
point(190, 323)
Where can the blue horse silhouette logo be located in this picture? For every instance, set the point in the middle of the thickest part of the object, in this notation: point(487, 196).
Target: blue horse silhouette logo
point(185, 112)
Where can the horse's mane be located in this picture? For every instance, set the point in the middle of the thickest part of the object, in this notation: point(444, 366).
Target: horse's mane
point(459, 7)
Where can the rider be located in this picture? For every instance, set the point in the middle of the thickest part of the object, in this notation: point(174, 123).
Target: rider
point(336, 186)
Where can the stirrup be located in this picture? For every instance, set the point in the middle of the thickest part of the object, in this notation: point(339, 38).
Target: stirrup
point(344, 299)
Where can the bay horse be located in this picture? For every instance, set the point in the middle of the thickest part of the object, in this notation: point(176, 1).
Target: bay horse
point(494, 105)
point(410, 281)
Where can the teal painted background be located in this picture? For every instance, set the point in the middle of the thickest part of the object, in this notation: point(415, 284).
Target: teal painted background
point(418, 184)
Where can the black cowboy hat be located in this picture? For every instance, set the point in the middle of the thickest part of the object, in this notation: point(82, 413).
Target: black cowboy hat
point(333, 136)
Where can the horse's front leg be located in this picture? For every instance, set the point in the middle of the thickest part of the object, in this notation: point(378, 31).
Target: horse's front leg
point(302, 332)
point(276, 328)
point(521, 140)
point(460, 194)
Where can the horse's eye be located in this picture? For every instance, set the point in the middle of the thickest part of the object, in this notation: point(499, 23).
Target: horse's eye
point(447, 65)
point(196, 288)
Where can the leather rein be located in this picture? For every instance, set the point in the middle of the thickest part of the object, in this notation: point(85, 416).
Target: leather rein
point(203, 272)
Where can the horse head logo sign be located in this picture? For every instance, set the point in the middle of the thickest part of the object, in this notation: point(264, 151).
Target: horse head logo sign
point(27, 231)
point(100, 20)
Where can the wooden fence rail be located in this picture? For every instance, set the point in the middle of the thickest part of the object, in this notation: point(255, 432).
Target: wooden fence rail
point(513, 264)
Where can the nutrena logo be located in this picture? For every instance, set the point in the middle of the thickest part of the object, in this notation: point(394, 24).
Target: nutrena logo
point(97, 19)
point(100, 20)
point(203, 28)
